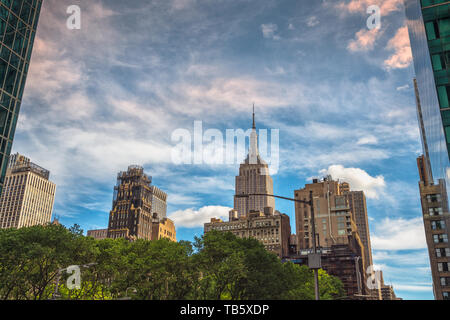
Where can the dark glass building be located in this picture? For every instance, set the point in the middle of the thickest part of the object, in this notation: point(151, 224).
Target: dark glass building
point(429, 32)
point(18, 23)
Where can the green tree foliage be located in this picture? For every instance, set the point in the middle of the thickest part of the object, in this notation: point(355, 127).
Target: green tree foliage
point(216, 266)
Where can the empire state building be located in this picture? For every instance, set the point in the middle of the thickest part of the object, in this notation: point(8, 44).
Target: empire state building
point(253, 178)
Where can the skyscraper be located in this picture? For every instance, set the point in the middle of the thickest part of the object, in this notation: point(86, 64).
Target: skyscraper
point(18, 23)
point(358, 208)
point(429, 32)
point(334, 221)
point(253, 178)
point(131, 214)
point(159, 202)
point(337, 236)
point(28, 195)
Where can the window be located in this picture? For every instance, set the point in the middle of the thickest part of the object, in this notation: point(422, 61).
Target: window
point(439, 238)
point(442, 266)
point(438, 225)
point(440, 252)
point(443, 94)
point(445, 281)
point(434, 197)
point(432, 30)
point(446, 295)
point(435, 211)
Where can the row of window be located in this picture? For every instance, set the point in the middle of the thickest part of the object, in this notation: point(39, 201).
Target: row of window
point(426, 3)
point(442, 252)
point(19, 9)
point(437, 29)
point(438, 225)
point(440, 238)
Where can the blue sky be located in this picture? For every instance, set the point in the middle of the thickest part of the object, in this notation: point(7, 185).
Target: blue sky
point(112, 93)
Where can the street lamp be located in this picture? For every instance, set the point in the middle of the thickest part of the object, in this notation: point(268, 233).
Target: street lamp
point(314, 259)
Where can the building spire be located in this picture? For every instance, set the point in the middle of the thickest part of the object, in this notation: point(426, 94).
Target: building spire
point(254, 127)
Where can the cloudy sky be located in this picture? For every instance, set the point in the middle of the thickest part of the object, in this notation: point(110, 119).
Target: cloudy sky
point(112, 94)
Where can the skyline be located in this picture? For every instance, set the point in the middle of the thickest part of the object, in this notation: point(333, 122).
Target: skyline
point(340, 95)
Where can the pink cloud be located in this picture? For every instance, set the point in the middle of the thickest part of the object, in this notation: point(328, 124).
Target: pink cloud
point(365, 40)
point(402, 56)
point(386, 6)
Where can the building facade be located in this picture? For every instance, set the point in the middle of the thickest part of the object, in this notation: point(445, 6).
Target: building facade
point(429, 32)
point(159, 202)
point(18, 23)
point(98, 234)
point(253, 178)
point(131, 214)
point(358, 208)
point(272, 229)
point(334, 221)
point(164, 229)
point(434, 206)
point(28, 195)
point(339, 238)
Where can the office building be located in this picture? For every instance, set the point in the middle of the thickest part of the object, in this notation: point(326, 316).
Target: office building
point(272, 229)
point(164, 229)
point(429, 33)
point(334, 222)
point(159, 202)
point(18, 23)
point(434, 205)
point(337, 235)
point(98, 234)
point(253, 178)
point(28, 195)
point(131, 214)
point(358, 208)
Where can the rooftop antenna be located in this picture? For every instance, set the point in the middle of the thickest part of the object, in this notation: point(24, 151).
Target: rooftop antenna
point(254, 127)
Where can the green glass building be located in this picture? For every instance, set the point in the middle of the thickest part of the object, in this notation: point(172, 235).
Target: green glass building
point(18, 23)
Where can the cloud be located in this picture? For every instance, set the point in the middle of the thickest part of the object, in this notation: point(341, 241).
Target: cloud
point(358, 180)
point(398, 234)
point(191, 218)
point(407, 287)
point(402, 88)
point(365, 40)
point(312, 21)
point(367, 140)
point(360, 6)
point(269, 30)
point(402, 56)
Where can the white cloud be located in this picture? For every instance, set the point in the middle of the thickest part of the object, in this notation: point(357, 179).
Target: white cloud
point(367, 140)
point(399, 234)
point(191, 218)
point(407, 287)
point(358, 180)
point(402, 88)
point(312, 21)
point(269, 30)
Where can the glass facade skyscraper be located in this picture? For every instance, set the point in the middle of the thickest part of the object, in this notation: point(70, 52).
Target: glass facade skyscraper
point(429, 32)
point(18, 23)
